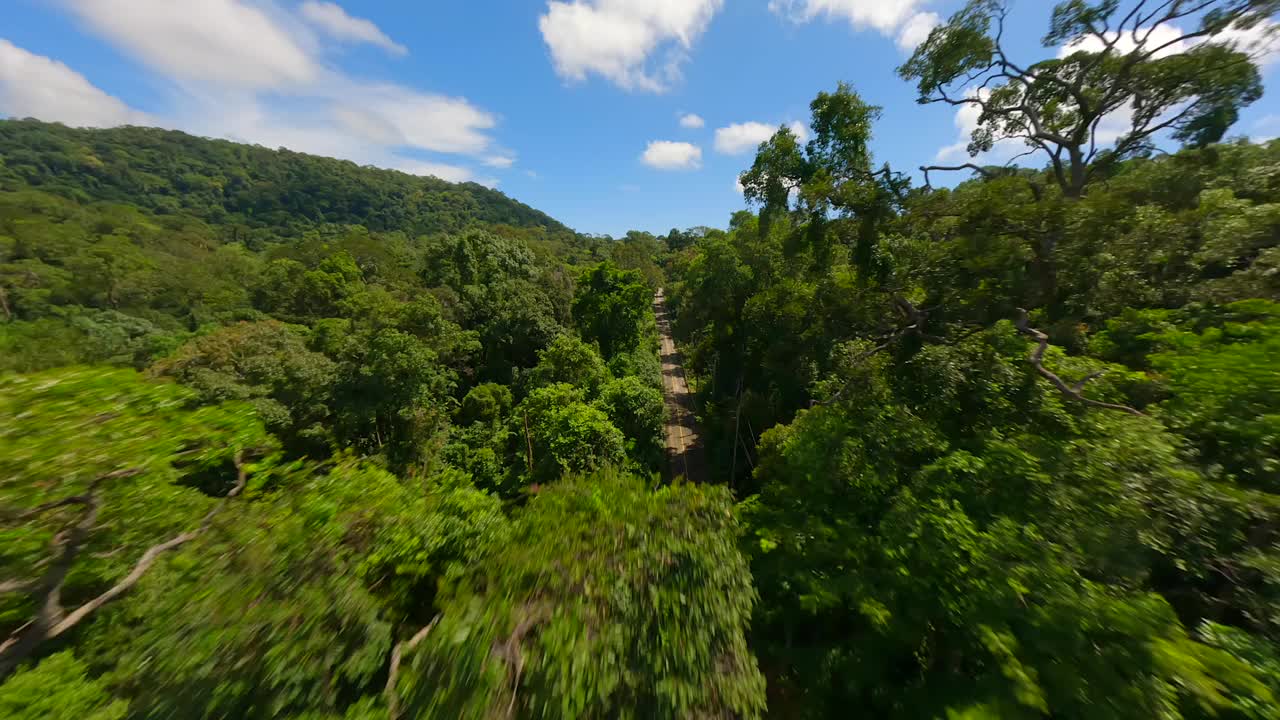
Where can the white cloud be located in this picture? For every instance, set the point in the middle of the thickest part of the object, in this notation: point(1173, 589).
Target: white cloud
point(955, 152)
point(36, 86)
point(249, 71)
point(1160, 36)
point(692, 121)
point(1262, 41)
point(426, 121)
point(228, 43)
point(499, 161)
point(916, 29)
point(336, 23)
point(668, 155)
point(739, 138)
point(444, 171)
point(898, 19)
point(618, 39)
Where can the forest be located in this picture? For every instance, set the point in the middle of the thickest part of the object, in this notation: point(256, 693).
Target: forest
point(286, 437)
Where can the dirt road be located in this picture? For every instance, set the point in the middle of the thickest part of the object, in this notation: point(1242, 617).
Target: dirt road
point(685, 455)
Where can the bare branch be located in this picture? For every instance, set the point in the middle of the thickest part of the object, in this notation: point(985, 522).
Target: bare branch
point(1140, 21)
point(1078, 386)
point(1037, 359)
point(510, 652)
point(51, 622)
point(13, 586)
point(950, 168)
point(149, 557)
point(82, 499)
point(393, 674)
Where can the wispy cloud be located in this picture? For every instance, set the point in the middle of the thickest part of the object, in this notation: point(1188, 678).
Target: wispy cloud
point(256, 72)
point(902, 20)
point(337, 24)
point(36, 86)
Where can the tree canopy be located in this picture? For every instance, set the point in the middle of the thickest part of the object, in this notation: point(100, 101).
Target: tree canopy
point(286, 438)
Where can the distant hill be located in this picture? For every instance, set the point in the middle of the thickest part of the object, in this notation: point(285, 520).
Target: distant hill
point(223, 182)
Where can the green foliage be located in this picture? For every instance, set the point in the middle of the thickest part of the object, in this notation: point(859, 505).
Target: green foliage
point(292, 608)
point(609, 601)
point(1002, 450)
point(637, 409)
point(832, 176)
point(485, 403)
point(1256, 652)
point(937, 530)
point(59, 689)
point(64, 433)
point(265, 363)
point(1013, 548)
point(514, 319)
point(608, 308)
point(77, 336)
point(638, 251)
point(1226, 391)
point(571, 361)
point(390, 393)
point(375, 323)
point(565, 433)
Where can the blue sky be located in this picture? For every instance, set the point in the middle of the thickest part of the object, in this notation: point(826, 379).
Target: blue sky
point(572, 106)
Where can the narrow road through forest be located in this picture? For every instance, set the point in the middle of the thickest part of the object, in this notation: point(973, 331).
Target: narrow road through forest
point(685, 455)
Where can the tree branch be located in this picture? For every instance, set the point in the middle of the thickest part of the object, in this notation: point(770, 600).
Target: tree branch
point(393, 674)
point(13, 586)
point(951, 168)
point(510, 652)
point(1073, 392)
point(50, 621)
point(82, 499)
point(857, 360)
point(914, 315)
point(1078, 386)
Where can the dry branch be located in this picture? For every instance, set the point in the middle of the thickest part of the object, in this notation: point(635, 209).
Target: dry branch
point(984, 172)
point(1072, 391)
point(917, 319)
point(82, 499)
point(51, 621)
point(393, 674)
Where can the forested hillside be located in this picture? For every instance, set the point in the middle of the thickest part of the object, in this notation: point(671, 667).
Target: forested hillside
point(252, 187)
point(284, 437)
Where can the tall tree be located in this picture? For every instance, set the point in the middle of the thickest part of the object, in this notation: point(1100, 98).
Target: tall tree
point(609, 305)
point(1132, 66)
